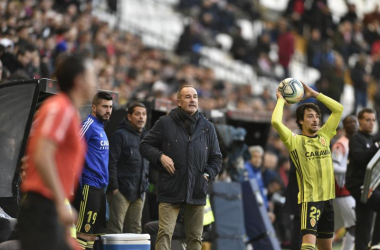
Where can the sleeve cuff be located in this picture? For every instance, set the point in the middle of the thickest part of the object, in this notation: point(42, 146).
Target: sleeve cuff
point(210, 173)
point(320, 96)
point(281, 101)
point(158, 160)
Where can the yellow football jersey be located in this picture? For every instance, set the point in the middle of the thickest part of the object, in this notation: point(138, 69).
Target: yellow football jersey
point(311, 155)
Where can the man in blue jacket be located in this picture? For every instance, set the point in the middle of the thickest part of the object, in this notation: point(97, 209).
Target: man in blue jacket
point(129, 173)
point(90, 200)
point(185, 148)
point(253, 168)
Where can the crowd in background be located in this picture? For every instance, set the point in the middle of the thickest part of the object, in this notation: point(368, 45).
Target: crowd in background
point(35, 34)
point(343, 51)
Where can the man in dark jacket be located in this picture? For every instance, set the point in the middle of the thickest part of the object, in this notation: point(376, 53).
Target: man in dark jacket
point(185, 148)
point(362, 147)
point(128, 173)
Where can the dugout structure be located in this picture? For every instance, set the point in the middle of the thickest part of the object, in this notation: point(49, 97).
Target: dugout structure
point(372, 177)
point(20, 99)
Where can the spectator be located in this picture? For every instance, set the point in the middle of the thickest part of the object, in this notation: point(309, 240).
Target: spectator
point(67, 43)
point(286, 45)
point(188, 39)
point(334, 75)
point(351, 15)
point(315, 50)
point(129, 173)
point(253, 170)
point(343, 40)
point(370, 31)
point(209, 15)
point(263, 45)
point(294, 11)
point(24, 60)
point(240, 49)
point(361, 79)
point(359, 43)
point(227, 18)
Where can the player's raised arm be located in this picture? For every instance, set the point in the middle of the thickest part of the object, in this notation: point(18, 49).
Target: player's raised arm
point(278, 111)
point(335, 107)
point(309, 92)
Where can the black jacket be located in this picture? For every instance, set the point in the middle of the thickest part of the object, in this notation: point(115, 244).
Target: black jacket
point(361, 150)
point(192, 156)
point(357, 76)
point(128, 170)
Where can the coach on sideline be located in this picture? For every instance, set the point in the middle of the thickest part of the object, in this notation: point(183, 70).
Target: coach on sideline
point(185, 148)
point(129, 173)
point(362, 147)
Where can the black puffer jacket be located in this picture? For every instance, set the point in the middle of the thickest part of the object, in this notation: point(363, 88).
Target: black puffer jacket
point(192, 156)
point(128, 170)
point(362, 148)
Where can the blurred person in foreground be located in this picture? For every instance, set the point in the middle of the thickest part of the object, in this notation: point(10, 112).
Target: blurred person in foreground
point(90, 199)
point(344, 203)
point(311, 155)
point(185, 148)
point(55, 155)
point(362, 147)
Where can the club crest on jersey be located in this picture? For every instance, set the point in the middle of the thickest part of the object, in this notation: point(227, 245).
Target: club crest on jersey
point(87, 227)
point(323, 141)
point(313, 222)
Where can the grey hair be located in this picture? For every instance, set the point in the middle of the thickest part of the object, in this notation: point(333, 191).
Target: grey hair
point(256, 148)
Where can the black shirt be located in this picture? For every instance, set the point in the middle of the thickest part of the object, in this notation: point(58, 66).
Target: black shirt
point(362, 147)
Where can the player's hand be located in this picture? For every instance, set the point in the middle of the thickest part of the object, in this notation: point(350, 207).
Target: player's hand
point(73, 243)
point(279, 96)
point(65, 216)
point(272, 217)
point(309, 92)
point(23, 167)
point(111, 194)
point(168, 164)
